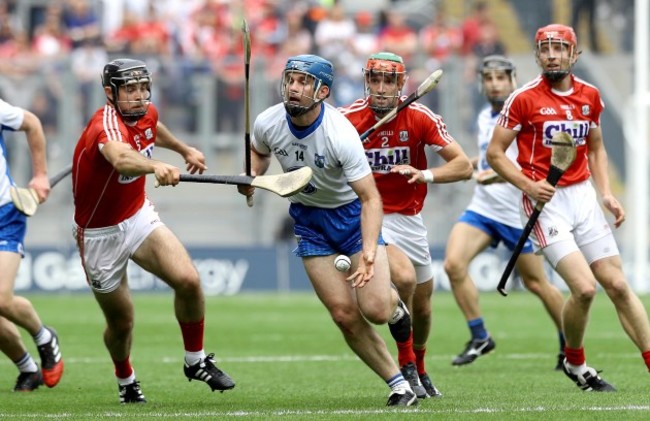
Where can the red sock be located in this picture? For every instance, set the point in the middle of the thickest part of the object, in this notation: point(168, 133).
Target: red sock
point(192, 335)
point(646, 358)
point(575, 356)
point(405, 353)
point(419, 360)
point(123, 369)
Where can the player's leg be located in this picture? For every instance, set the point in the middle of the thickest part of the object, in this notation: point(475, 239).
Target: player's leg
point(531, 269)
point(21, 312)
point(189, 302)
point(11, 344)
point(572, 266)
point(117, 307)
point(630, 310)
point(464, 243)
point(353, 311)
point(402, 275)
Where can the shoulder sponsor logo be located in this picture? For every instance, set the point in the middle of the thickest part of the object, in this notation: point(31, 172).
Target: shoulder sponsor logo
point(577, 129)
point(381, 160)
point(281, 152)
point(547, 111)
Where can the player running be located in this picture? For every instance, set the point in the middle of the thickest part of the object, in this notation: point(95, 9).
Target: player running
point(571, 231)
point(396, 154)
point(492, 217)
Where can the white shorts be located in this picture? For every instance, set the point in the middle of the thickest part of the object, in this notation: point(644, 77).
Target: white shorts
point(409, 233)
point(105, 252)
point(573, 220)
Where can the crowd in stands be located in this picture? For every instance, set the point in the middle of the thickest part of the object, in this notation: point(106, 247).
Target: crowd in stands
point(181, 38)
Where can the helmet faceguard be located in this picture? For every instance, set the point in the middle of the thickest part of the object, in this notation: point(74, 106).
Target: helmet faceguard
point(383, 79)
point(317, 72)
point(131, 74)
point(564, 35)
point(492, 64)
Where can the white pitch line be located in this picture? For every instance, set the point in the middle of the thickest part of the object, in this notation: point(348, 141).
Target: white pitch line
point(320, 358)
point(307, 412)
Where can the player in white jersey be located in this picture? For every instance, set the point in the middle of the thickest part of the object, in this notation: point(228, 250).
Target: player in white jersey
point(571, 231)
point(14, 310)
point(339, 212)
point(493, 217)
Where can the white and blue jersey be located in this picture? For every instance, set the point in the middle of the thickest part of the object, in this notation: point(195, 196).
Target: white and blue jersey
point(327, 211)
point(494, 208)
point(12, 222)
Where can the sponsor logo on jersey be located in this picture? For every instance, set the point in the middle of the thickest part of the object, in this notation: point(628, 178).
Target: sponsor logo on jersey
point(577, 129)
point(281, 152)
point(547, 111)
point(381, 160)
point(404, 136)
point(299, 145)
point(552, 231)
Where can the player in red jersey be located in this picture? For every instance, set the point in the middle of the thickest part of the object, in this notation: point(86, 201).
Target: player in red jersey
point(572, 231)
point(114, 222)
point(396, 153)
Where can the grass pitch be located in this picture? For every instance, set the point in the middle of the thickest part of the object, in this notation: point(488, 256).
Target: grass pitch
point(290, 362)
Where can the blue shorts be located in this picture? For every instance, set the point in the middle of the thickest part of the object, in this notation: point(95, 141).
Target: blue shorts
point(322, 232)
point(13, 226)
point(498, 231)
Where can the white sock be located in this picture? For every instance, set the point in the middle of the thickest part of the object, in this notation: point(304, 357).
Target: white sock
point(43, 336)
point(192, 358)
point(577, 369)
point(128, 380)
point(26, 364)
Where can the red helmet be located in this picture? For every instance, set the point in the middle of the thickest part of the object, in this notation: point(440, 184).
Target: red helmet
point(556, 32)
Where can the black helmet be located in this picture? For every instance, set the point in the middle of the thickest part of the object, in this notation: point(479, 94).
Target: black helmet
point(123, 71)
point(493, 63)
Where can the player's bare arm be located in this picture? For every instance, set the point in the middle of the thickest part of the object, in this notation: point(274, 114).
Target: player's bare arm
point(457, 167)
point(37, 146)
point(496, 156)
point(129, 162)
point(371, 220)
point(598, 164)
point(193, 157)
point(259, 165)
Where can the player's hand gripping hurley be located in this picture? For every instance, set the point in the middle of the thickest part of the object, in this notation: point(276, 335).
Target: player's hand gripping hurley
point(563, 153)
point(424, 88)
point(26, 199)
point(286, 184)
point(247, 119)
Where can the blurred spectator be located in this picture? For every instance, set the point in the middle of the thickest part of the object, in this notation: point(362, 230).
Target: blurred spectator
point(366, 41)
point(141, 37)
point(441, 39)
point(398, 38)
point(80, 21)
point(229, 71)
point(471, 26)
point(333, 35)
point(489, 42)
point(268, 32)
point(87, 63)
point(50, 38)
point(587, 10)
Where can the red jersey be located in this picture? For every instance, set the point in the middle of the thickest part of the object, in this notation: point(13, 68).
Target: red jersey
point(400, 141)
point(102, 196)
point(537, 113)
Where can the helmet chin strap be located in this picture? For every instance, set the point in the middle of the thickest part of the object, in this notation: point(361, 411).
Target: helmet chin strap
point(298, 110)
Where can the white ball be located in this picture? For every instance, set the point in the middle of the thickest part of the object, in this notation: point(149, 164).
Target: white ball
point(342, 263)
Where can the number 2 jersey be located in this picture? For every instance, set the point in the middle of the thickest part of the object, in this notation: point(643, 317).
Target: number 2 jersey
point(537, 112)
point(102, 196)
point(399, 141)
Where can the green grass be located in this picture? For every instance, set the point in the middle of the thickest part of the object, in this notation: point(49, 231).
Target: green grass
point(290, 362)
